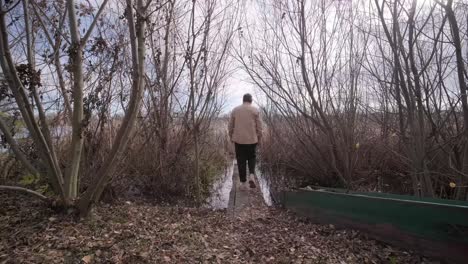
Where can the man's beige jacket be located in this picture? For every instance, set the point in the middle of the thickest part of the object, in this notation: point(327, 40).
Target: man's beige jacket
point(245, 124)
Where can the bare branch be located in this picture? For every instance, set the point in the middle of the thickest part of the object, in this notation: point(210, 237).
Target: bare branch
point(24, 190)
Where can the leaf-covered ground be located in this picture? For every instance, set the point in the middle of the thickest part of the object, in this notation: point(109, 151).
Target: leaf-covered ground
point(143, 233)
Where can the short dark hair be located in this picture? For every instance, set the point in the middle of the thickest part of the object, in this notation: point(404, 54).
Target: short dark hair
point(247, 98)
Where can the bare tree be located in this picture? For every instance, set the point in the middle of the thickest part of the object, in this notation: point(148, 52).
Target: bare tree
point(206, 60)
point(303, 75)
point(67, 187)
point(461, 76)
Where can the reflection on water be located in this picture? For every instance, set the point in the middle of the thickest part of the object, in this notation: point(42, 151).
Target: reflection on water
point(265, 188)
point(221, 189)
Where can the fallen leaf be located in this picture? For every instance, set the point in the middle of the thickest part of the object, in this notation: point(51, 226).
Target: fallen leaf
point(87, 259)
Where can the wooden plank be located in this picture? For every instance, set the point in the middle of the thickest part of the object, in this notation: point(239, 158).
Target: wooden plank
point(434, 229)
point(245, 203)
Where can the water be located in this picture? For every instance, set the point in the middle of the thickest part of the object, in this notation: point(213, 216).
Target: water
point(265, 188)
point(221, 189)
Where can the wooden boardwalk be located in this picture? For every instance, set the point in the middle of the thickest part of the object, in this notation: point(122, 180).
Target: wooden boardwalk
point(245, 203)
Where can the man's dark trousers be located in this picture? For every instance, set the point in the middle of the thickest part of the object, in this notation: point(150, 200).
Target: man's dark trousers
point(246, 153)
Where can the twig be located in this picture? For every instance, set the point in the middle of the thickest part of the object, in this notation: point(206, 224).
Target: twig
point(28, 191)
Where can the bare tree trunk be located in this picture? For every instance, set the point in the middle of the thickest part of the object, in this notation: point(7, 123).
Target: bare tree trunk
point(33, 87)
point(27, 111)
point(333, 148)
point(76, 57)
point(137, 41)
point(420, 150)
point(461, 192)
point(66, 100)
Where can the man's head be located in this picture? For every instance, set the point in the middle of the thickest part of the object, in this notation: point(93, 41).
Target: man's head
point(247, 98)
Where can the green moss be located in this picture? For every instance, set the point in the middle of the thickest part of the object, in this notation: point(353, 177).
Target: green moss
point(29, 179)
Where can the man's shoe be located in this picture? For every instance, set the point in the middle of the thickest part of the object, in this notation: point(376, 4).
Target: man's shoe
point(243, 186)
point(252, 180)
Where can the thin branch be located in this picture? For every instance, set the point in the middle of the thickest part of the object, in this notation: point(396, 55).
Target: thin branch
point(12, 7)
point(15, 147)
point(24, 190)
point(93, 24)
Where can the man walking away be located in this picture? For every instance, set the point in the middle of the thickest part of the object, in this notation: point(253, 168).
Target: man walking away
point(245, 130)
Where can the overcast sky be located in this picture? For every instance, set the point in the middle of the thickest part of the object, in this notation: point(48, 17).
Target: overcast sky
point(238, 85)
